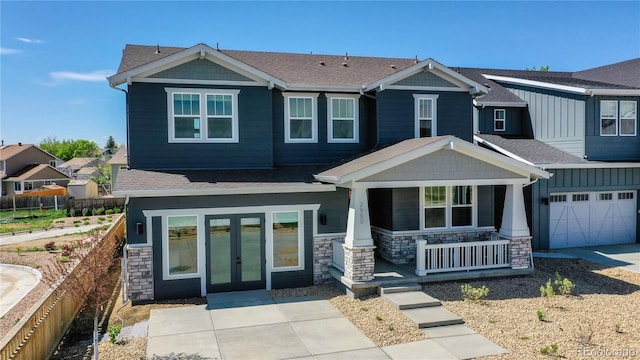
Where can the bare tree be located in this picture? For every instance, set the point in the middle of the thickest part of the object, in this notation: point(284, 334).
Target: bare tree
point(81, 272)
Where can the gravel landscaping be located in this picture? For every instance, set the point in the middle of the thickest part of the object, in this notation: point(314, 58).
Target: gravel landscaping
point(600, 320)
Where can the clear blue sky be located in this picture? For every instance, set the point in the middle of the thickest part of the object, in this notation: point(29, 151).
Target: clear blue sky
point(54, 56)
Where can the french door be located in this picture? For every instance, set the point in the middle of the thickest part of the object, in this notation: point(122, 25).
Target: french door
point(235, 252)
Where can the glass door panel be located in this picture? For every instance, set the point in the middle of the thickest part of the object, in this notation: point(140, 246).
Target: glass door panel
point(250, 249)
point(220, 251)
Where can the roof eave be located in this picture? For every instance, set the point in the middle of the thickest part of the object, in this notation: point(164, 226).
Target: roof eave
point(499, 103)
point(294, 188)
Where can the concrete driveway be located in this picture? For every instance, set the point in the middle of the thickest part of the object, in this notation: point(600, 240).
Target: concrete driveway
point(626, 256)
point(15, 282)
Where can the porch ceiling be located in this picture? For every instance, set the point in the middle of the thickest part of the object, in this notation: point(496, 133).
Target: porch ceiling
point(437, 159)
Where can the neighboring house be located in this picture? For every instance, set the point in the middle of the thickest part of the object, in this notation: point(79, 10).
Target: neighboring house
point(117, 162)
point(33, 177)
point(87, 172)
point(74, 166)
point(82, 189)
point(18, 168)
point(592, 116)
point(254, 170)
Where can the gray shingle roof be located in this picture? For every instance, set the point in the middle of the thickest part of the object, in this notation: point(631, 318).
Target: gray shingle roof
point(132, 180)
point(532, 150)
point(289, 67)
point(626, 73)
point(497, 93)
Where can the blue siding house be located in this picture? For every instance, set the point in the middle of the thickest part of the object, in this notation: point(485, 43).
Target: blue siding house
point(261, 170)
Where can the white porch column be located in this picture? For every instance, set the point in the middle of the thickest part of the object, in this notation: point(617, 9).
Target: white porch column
point(358, 223)
point(514, 216)
point(358, 244)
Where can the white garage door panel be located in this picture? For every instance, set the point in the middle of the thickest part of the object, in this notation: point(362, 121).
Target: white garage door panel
point(589, 218)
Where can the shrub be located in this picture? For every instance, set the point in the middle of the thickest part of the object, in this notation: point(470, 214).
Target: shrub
point(85, 211)
point(86, 222)
point(63, 259)
point(471, 293)
point(549, 350)
point(50, 246)
point(540, 315)
point(117, 210)
point(108, 212)
point(66, 250)
point(114, 331)
point(547, 290)
point(99, 211)
point(72, 212)
point(94, 212)
point(563, 285)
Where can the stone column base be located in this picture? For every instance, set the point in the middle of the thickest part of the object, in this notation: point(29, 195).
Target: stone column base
point(139, 273)
point(359, 263)
point(521, 253)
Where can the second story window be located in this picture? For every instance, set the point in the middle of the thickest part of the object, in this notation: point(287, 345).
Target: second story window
point(425, 115)
point(203, 115)
point(300, 118)
point(342, 118)
point(618, 118)
point(499, 118)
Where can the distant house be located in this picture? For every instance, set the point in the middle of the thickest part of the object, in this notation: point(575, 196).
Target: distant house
point(82, 189)
point(25, 166)
point(117, 162)
point(73, 166)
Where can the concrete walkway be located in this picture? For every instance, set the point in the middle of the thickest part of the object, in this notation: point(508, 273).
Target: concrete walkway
point(626, 256)
point(16, 282)
point(45, 234)
point(251, 325)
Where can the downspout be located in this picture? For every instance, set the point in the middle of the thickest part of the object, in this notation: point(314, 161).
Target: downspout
point(126, 120)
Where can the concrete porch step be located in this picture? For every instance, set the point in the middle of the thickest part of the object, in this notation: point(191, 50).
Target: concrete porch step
point(392, 289)
point(432, 316)
point(411, 300)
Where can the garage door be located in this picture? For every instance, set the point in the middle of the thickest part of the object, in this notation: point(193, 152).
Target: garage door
point(592, 218)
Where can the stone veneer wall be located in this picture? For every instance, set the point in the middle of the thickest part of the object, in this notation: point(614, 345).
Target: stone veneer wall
point(140, 273)
point(401, 248)
point(323, 258)
point(521, 253)
point(359, 263)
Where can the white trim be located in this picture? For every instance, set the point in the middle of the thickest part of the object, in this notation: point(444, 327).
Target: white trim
point(501, 150)
point(314, 117)
point(270, 254)
point(448, 215)
point(276, 189)
point(198, 82)
point(434, 113)
point(323, 88)
point(418, 183)
point(496, 120)
point(201, 213)
point(189, 54)
point(620, 118)
point(165, 248)
point(431, 65)
point(592, 165)
point(479, 102)
point(616, 118)
point(567, 88)
point(425, 88)
point(203, 116)
point(428, 231)
point(356, 117)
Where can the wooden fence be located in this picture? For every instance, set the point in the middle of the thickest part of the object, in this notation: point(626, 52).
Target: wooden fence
point(38, 334)
point(48, 202)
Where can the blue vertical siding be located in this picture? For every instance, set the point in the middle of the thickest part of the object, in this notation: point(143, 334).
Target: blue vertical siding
point(321, 152)
point(396, 117)
point(609, 148)
point(149, 148)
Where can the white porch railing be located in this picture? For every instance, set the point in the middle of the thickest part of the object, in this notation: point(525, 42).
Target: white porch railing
point(461, 256)
point(338, 255)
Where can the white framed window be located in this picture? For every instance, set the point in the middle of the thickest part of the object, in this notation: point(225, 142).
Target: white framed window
point(48, 182)
point(52, 163)
point(426, 113)
point(288, 241)
point(300, 118)
point(499, 119)
point(28, 185)
point(579, 197)
point(448, 207)
point(203, 115)
point(181, 251)
point(605, 196)
point(342, 118)
point(625, 195)
point(618, 118)
point(557, 198)
point(17, 186)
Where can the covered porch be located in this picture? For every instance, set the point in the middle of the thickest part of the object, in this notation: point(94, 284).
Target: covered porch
point(422, 211)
